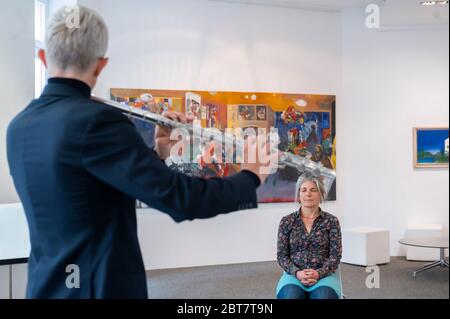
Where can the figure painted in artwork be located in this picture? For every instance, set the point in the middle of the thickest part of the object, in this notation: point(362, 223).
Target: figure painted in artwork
point(319, 157)
point(312, 139)
point(193, 105)
point(291, 115)
point(246, 113)
point(213, 116)
point(261, 114)
point(194, 109)
point(297, 142)
point(210, 165)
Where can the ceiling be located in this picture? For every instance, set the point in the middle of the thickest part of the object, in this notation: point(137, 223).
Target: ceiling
point(325, 5)
point(394, 13)
point(398, 13)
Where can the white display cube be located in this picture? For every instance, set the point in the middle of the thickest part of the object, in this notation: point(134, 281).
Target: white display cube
point(365, 246)
point(423, 230)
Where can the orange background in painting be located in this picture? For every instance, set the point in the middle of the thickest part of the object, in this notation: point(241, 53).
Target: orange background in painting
point(278, 102)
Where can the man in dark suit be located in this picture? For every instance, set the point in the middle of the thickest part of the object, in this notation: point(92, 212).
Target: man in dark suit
point(79, 165)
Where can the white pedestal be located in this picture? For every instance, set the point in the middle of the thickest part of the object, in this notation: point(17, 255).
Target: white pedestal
point(365, 246)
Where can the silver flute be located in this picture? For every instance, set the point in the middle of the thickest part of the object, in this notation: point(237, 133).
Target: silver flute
point(286, 159)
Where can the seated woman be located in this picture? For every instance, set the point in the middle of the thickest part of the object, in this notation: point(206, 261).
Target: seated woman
point(309, 246)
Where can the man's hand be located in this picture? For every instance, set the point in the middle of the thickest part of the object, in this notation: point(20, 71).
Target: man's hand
point(163, 144)
point(261, 163)
point(258, 157)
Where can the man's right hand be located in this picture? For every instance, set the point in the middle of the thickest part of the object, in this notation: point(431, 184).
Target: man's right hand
point(258, 157)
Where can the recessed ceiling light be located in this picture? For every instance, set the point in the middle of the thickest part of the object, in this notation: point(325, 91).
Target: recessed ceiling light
point(434, 3)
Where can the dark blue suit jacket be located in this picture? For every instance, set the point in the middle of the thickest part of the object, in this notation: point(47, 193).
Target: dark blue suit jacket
point(78, 167)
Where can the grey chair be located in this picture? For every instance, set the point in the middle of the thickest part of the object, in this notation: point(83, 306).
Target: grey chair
point(338, 273)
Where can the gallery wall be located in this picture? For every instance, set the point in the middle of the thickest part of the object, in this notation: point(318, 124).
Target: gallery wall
point(214, 46)
point(16, 76)
point(393, 80)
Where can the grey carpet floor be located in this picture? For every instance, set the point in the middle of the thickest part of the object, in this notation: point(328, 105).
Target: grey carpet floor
point(258, 281)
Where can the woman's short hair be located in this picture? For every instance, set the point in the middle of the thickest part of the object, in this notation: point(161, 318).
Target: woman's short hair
point(308, 177)
point(76, 37)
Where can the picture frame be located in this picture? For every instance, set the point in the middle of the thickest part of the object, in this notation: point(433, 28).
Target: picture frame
point(431, 147)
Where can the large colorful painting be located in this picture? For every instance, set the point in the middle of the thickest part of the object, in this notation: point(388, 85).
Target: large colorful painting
point(306, 126)
point(431, 147)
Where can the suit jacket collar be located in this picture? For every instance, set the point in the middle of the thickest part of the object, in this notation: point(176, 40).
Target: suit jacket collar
point(66, 87)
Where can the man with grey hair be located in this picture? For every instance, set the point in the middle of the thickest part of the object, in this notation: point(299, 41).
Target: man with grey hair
point(78, 166)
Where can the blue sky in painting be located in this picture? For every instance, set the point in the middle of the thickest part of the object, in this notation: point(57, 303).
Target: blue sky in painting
point(431, 140)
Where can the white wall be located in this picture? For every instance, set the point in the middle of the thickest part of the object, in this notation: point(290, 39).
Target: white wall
point(54, 5)
point(202, 45)
point(197, 44)
point(16, 75)
point(392, 81)
point(249, 236)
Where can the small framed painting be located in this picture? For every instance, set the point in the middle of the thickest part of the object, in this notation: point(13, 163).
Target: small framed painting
point(431, 147)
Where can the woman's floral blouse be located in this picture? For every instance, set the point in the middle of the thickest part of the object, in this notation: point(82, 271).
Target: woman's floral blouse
point(320, 250)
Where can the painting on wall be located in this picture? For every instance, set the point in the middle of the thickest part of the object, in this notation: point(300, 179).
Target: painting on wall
point(431, 147)
point(305, 123)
